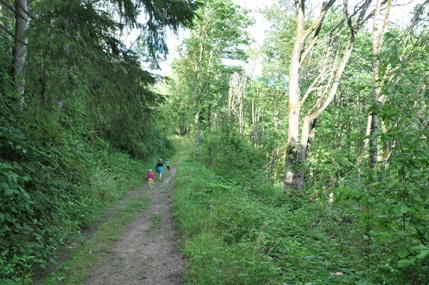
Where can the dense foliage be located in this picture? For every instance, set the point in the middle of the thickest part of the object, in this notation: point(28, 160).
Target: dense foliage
point(361, 217)
point(250, 233)
point(79, 116)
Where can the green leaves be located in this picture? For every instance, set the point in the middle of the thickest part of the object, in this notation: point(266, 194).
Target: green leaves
point(417, 255)
point(48, 193)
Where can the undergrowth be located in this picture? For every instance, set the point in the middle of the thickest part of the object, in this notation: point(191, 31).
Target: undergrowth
point(240, 229)
point(234, 236)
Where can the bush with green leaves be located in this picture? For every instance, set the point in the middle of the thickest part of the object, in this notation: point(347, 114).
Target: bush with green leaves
point(52, 187)
point(229, 155)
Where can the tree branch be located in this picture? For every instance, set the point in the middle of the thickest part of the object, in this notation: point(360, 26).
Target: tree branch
point(317, 27)
point(11, 8)
point(12, 35)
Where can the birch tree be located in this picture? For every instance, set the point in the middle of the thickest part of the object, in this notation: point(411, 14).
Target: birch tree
point(324, 84)
point(415, 38)
point(236, 93)
point(20, 48)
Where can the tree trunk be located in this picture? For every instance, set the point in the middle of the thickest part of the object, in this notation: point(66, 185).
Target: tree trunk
point(209, 118)
point(377, 41)
point(293, 163)
point(372, 123)
point(310, 119)
point(237, 86)
point(365, 146)
point(230, 98)
point(20, 49)
point(197, 103)
point(375, 87)
point(292, 150)
point(197, 118)
point(254, 122)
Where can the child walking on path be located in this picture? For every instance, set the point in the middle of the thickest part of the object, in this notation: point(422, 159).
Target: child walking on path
point(150, 178)
point(159, 167)
point(167, 163)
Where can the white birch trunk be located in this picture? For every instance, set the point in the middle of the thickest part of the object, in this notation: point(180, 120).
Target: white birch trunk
point(20, 49)
point(294, 101)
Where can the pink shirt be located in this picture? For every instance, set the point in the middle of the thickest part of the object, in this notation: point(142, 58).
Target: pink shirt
point(150, 175)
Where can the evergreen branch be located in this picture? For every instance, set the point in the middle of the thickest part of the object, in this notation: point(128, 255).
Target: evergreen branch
point(8, 6)
point(12, 9)
point(11, 34)
point(3, 103)
point(6, 30)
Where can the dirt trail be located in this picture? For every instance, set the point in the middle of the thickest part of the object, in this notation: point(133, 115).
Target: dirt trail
point(148, 250)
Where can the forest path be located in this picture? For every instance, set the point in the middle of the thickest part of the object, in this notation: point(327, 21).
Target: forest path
point(147, 251)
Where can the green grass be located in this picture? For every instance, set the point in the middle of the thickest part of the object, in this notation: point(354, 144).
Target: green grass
point(243, 232)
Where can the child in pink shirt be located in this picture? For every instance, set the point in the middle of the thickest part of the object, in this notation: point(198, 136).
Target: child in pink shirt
point(150, 178)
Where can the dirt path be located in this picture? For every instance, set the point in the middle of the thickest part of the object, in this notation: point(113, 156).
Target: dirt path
point(148, 250)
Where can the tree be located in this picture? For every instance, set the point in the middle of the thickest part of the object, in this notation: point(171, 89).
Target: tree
point(81, 55)
point(324, 83)
point(20, 49)
point(219, 34)
point(19, 35)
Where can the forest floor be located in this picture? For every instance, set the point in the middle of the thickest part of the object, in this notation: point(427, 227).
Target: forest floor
point(147, 250)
